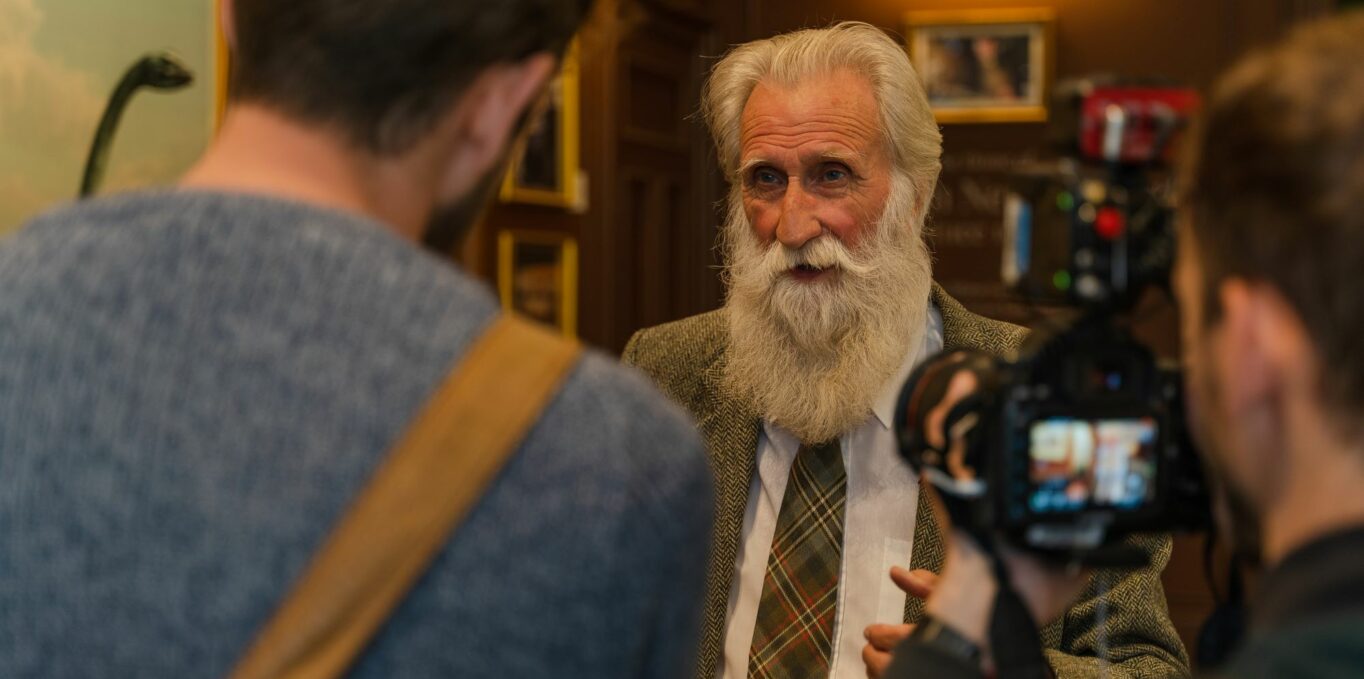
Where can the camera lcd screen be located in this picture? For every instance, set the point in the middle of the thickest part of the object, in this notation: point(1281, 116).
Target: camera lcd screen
point(1079, 464)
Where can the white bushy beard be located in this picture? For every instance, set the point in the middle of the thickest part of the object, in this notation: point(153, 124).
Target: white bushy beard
point(812, 357)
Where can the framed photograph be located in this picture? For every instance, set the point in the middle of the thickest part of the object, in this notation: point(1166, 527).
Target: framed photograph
point(222, 66)
point(61, 60)
point(544, 170)
point(537, 276)
point(984, 66)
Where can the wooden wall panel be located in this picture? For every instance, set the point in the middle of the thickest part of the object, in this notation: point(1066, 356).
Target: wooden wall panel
point(660, 157)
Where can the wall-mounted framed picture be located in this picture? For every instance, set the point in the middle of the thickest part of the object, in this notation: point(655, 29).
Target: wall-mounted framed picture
point(537, 276)
point(222, 67)
point(61, 60)
point(984, 65)
point(544, 169)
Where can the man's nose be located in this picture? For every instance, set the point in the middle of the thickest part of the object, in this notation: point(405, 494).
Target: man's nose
point(798, 224)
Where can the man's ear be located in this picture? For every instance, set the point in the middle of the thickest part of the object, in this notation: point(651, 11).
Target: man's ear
point(492, 106)
point(1266, 346)
point(1241, 356)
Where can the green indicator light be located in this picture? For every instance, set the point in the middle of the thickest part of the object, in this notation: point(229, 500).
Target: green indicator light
point(1064, 201)
point(1061, 280)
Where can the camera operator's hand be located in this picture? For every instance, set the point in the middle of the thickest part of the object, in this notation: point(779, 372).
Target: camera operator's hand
point(963, 597)
point(1047, 589)
point(882, 639)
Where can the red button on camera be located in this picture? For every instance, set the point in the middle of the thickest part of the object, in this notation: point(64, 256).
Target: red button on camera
point(1109, 223)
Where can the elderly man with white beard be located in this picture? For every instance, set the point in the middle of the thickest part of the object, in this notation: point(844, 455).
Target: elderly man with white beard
point(832, 155)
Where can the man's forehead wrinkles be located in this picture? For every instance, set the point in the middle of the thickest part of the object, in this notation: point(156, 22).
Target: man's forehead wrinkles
point(813, 123)
point(851, 139)
point(805, 146)
point(828, 152)
point(790, 141)
point(820, 146)
point(794, 129)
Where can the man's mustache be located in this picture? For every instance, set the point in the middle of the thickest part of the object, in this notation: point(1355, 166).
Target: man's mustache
point(823, 252)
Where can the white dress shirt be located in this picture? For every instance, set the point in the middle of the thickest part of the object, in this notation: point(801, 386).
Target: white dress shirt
point(878, 531)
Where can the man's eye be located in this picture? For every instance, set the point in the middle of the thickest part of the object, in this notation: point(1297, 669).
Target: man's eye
point(765, 176)
point(834, 174)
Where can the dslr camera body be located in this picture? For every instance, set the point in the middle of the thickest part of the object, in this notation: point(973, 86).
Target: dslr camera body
point(1080, 441)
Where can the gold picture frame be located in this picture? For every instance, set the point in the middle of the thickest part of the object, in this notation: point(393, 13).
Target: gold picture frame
point(984, 65)
point(222, 67)
point(544, 166)
point(537, 277)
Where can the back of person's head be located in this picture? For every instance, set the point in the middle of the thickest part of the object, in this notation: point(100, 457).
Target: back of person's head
point(1275, 193)
point(384, 72)
point(907, 122)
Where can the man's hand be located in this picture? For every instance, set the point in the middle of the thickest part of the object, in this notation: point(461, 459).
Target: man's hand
point(963, 597)
point(881, 643)
point(882, 639)
point(917, 583)
point(1046, 589)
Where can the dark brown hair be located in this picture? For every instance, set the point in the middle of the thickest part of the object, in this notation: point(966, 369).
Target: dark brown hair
point(1275, 191)
point(384, 71)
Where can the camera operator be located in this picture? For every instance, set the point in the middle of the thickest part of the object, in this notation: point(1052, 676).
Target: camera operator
point(1270, 245)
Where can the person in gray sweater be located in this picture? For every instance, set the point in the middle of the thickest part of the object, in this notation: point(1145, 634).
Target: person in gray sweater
point(195, 383)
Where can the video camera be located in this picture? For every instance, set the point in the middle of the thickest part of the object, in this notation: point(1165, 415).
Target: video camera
point(1081, 440)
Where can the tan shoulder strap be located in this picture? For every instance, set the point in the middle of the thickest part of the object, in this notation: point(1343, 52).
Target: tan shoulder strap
point(400, 521)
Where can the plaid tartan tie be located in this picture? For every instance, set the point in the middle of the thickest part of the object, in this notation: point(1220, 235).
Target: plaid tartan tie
point(793, 637)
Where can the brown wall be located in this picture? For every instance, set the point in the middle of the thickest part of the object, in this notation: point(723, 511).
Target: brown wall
point(646, 239)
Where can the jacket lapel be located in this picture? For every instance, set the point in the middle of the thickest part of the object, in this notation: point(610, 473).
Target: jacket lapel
point(961, 329)
point(927, 549)
point(731, 432)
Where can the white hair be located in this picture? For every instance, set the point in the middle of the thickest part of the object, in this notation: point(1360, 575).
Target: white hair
point(907, 123)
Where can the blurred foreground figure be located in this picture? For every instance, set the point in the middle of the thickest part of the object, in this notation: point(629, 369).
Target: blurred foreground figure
point(1268, 285)
point(196, 383)
point(832, 155)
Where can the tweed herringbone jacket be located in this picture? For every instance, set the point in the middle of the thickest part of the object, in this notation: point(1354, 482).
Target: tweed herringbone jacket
point(686, 360)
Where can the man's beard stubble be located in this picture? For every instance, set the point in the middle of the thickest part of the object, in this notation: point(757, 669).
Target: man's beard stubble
point(813, 357)
point(449, 224)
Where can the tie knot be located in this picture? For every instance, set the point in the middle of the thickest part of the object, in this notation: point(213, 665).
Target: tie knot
point(826, 450)
point(831, 444)
point(824, 461)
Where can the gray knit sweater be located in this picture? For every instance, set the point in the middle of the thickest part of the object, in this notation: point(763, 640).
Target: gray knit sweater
point(192, 387)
